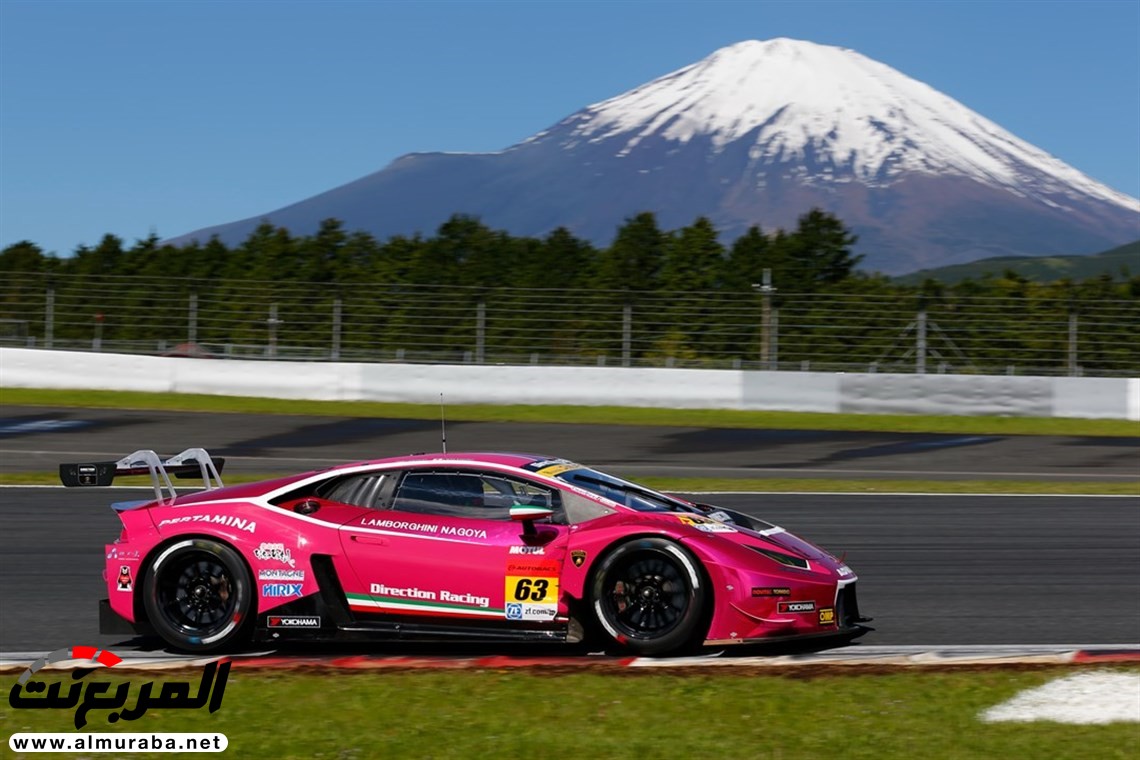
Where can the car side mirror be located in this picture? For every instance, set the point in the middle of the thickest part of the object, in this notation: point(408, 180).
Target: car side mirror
point(527, 514)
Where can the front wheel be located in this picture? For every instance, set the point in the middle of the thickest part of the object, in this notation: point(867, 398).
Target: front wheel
point(198, 595)
point(649, 597)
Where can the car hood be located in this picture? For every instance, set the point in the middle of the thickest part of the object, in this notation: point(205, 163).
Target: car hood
point(753, 533)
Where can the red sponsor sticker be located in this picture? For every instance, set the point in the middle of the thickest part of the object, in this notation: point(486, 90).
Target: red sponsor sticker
point(771, 591)
point(532, 567)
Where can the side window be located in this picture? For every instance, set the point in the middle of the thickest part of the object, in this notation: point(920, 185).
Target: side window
point(506, 493)
point(480, 495)
point(579, 509)
point(358, 490)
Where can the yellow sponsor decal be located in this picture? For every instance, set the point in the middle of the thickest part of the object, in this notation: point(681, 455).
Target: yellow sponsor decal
point(826, 615)
point(704, 524)
point(521, 588)
point(555, 469)
point(535, 582)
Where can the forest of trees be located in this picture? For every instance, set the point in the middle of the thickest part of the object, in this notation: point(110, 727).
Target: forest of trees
point(465, 252)
point(691, 295)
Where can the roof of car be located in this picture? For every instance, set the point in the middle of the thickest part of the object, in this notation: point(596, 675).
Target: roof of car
point(509, 459)
point(245, 490)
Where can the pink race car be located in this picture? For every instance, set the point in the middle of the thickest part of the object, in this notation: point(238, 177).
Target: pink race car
point(455, 547)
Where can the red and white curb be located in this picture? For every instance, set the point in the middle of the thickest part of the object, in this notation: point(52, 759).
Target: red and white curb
point(915, 656)
point(897, 656)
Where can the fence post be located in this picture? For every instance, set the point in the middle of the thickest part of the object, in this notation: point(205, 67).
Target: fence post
point(334, 354)
point(97, 340)
point(775, 340)
point(765, 289)
point(480, 332)
point(1072, 344)
point(272, 322)
point(920, 343)
point(49, 317)
point(626, 333)
point(192, 328)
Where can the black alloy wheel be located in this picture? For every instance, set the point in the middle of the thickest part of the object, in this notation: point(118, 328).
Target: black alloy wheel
point(198, 595)
point(649, 597)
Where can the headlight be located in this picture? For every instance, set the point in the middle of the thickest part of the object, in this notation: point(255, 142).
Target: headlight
point(783, 559)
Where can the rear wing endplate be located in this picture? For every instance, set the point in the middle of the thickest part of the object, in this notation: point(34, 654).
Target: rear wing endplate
point(189, 464)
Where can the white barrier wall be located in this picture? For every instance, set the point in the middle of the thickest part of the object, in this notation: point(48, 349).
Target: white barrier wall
point(579, 386)
point(1116, 398)
point(995, 395)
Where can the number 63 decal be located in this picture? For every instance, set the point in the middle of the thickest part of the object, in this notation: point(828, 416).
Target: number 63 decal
point(531, 589)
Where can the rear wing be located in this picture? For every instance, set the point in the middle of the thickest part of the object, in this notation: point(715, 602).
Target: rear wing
point(189, 464)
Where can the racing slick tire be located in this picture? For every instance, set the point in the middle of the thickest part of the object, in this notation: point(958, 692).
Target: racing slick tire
point(650, 597)
point(198, 595)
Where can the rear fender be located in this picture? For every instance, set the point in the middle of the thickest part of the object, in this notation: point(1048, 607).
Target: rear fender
point(125, 561)
point(138, 608)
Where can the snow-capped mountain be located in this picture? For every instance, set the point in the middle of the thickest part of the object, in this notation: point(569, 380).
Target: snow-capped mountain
point(757, 133)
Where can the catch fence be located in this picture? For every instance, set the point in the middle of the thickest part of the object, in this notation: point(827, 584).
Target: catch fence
point(885, 332)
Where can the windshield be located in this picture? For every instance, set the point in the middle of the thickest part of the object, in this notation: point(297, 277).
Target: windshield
point(615, 489)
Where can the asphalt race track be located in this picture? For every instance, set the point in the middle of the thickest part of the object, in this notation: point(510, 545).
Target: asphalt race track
point(934, 570)
point(35, 438)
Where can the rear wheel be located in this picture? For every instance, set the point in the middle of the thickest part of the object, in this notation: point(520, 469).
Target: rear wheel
point(198, 595)
point(649, 597)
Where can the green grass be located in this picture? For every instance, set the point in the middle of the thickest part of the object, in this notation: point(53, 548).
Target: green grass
point(512, 714)
point(697, 485)
point(602, 415)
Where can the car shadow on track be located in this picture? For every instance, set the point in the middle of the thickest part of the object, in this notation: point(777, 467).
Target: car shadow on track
point(453, 651)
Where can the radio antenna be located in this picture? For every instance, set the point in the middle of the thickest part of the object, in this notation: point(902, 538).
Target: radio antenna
point(442, 423)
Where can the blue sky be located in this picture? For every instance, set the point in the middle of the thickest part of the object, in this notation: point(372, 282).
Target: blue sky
point(166, 116)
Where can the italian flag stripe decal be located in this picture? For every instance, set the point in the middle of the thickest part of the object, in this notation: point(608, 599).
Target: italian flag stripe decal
point(364, 602)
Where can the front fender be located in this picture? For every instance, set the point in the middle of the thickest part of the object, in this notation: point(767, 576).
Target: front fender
point(751, 594)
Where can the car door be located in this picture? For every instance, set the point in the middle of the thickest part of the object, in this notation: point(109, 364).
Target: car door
point(447, 549)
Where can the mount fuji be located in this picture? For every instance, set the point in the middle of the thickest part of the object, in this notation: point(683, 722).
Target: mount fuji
point(757, 133)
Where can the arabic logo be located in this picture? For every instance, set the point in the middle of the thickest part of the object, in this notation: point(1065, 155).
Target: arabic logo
point(174, 695)
point(103, 657)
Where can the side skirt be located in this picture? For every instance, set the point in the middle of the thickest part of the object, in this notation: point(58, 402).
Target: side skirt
point(326, 617)
point(309, 619)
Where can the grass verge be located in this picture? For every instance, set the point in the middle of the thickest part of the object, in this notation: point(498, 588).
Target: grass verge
point(599, 415)
point(510, 714)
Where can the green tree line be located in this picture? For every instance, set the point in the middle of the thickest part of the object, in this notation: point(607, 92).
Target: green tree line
point(465, 252)
point(685, 293)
